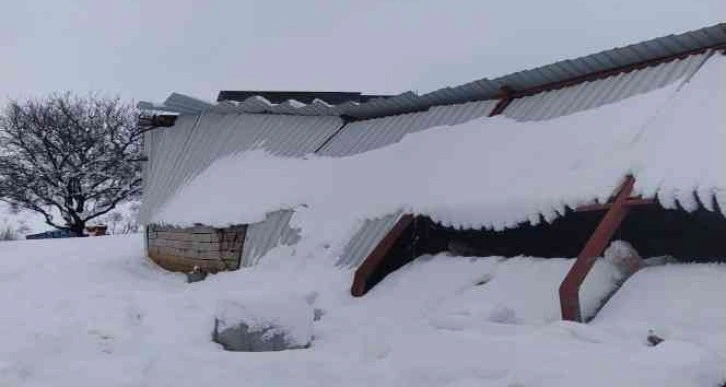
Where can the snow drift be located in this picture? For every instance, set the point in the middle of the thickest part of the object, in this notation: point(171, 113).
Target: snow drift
point(94, 312)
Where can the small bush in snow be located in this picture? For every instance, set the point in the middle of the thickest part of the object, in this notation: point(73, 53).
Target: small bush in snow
point(8, 233)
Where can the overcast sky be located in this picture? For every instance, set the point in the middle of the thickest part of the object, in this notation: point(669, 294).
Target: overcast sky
point(143, 49)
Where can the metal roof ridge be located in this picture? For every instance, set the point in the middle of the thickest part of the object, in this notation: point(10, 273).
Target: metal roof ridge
point(557, 74)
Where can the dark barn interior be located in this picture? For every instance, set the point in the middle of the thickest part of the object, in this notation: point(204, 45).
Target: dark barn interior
point(697, 236)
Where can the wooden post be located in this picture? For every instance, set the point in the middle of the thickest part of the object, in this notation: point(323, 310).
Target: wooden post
point(570, 287)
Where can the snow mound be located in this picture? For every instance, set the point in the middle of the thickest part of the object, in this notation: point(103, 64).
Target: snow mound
point(521, 290)
point(623, 255)
point(264, 324)
point(676, 301)
point(95, 312)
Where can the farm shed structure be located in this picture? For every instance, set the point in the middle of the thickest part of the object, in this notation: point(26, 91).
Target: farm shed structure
point(202, 133)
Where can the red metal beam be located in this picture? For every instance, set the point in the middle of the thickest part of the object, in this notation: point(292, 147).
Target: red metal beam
point(376, 256)
point(630, 202)
point(505, 98)
point(606, 73)
point(570, 287)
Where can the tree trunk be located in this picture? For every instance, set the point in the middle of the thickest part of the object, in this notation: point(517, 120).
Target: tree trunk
point(77, 229)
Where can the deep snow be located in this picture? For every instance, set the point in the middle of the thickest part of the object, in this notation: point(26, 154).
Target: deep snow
point(95, 312)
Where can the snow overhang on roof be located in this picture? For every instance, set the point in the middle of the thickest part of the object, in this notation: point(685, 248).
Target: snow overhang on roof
point(528, 81)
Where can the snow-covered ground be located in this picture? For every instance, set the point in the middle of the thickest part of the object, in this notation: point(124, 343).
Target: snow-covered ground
point(95, 312)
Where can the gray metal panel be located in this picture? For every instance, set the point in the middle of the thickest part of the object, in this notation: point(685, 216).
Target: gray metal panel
point(365, 135)
point(262, 237)
point(166, 147)
point(453, 114)
point(357, 137)
point(177, 154)
point(484, 89)
point(366, 239)
point(592, 94)
point(361, 136)
point(380, 132)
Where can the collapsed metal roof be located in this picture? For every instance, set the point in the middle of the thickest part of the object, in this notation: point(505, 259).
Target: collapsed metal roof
point(663, 48)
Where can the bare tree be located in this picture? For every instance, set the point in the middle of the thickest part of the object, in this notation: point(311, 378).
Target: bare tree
point(73, 157)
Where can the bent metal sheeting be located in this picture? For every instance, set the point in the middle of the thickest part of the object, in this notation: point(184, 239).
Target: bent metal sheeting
point(484, 89)
point(537, 107)
point(498, 172)
point(177, 154)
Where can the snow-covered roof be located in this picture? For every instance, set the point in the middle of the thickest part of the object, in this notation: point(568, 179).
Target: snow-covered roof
point(488, 172)
point(551, 154)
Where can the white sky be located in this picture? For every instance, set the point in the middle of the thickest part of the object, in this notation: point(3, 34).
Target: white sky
point(146, 49)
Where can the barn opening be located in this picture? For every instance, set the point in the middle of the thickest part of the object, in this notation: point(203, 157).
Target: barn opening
point(696, 236)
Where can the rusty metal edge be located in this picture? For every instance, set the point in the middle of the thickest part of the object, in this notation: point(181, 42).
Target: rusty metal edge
point(569, 290)
point(374, 259)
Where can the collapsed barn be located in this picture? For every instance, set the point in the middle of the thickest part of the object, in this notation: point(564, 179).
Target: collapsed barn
point(668, 204)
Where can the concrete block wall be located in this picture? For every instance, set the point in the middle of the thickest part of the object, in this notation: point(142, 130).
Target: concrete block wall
point(183, 248)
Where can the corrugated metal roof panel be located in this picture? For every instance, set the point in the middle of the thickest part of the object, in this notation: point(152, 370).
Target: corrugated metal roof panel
point(362, 136)
point(365, 135)
point(179, 153)
point(596, 93)
point(369, 134)
point(262, 237)
point(366, 239)
point(483, 89)
point(358, 137)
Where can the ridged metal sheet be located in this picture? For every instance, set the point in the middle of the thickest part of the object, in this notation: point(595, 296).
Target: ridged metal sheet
point(453, 114)
point(371, 232)
point(357, 137)
point(262, 237)
point(482, 89)
point(177, 154)
point(170, 146)
point(365, 135)
point(362, 136)
point(166, 147)
point(596, 93)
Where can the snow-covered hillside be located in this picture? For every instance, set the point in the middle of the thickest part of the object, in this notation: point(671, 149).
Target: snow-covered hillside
point(95, 312)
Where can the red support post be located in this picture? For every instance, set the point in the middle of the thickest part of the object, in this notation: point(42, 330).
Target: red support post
point(376, 256)
point(631, 202)
point(505, 98)
point(570, 287)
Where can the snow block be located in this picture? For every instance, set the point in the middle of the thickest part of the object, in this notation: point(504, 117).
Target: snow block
point(624, 257)
point(264, 325)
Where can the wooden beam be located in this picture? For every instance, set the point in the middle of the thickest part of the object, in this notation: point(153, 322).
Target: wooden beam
point(630, 202)
point(570, 287)
point(374, 259)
